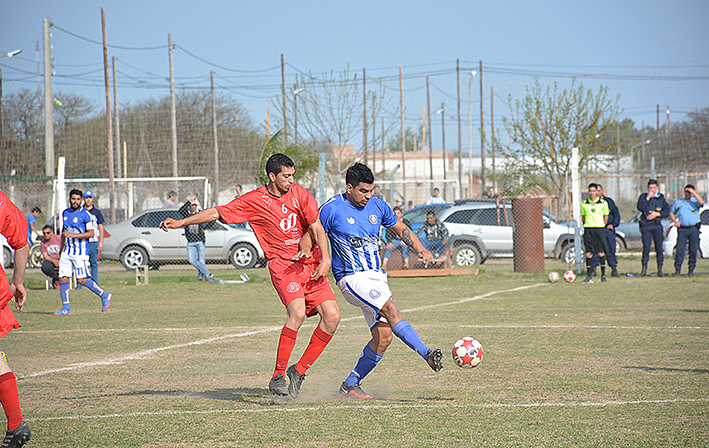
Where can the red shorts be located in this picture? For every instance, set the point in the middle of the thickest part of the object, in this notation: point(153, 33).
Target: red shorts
point(292, 281)
point(7, 317)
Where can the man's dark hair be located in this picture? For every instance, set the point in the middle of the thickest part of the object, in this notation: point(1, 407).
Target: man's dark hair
point(171, 194)
point(47, 227)
point(396, 208)
point(76, 192)
point(359, 173)
point(431, 212)
point(37, 209)
point(277, 162)
point(599, 186)
point(689, 186)
point(651, 182)
point(592, 185)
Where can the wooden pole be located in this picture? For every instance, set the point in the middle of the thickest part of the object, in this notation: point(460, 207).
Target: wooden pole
point(173, 113)
point(215, 196)
point(460, 135)
point(374, 136)
point(403, 130)
point(492, 137)
point(430, 131)
point(364, 114)
point(285, 100)
point(117, 122)
point(482, 131)
point(109, 130)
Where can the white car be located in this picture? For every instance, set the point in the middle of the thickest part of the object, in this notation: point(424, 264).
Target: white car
point(138, 241)
point(670, 243)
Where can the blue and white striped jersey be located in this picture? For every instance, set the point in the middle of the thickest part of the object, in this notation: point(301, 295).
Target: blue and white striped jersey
point(76, 221)
point(353, 233)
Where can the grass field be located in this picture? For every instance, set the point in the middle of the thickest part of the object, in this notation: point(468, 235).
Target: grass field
point(182, 363)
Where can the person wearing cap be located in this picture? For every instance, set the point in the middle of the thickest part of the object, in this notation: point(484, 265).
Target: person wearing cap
point(685, 215)
point(31, 230)
point(196, 241)
point(96, 241)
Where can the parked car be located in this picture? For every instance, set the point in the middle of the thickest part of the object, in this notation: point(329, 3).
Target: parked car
point(669, 245)
point(475, 234)
point(632, 237)
point(34, 259)
point(138, 241)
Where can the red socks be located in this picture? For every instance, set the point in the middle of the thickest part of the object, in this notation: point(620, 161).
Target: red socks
point(10, 400)
point(317, 344)
point(285, 347)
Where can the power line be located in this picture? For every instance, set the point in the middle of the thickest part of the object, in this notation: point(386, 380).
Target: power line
point(119, 47)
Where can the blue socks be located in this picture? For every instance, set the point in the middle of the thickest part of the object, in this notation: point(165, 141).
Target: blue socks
point(368, 360)
point(404, 331)
point(95, 288)
point(64, 293)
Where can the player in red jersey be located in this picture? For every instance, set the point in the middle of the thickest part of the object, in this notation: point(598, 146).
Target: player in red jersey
point(280, 213)
point(13, 225)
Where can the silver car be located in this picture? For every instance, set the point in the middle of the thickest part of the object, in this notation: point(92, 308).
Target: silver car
point(138, 241)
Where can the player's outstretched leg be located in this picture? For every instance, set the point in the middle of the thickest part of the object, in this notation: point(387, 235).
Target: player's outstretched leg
point(296, 372)
point(404, 331)
point(367, 361)
point(96, 289)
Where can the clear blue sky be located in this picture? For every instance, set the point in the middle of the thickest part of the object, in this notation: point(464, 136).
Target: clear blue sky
point(649, 53)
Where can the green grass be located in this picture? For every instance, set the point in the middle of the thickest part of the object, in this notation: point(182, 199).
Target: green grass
point(181, 363)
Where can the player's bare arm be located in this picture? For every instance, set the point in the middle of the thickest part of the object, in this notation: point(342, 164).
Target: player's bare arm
point(18, 276)
point(82, 236)
point(410, 239)
point(305, 246)
point(208, 215)
point(321, 238)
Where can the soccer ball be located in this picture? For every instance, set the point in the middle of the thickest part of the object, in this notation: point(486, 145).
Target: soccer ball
point(553, 277)
point(569, 276)
point(467, 353)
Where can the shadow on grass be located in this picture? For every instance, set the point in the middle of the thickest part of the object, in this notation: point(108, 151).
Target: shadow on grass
point(245, 395)
point(666, 369)
point(696, 311)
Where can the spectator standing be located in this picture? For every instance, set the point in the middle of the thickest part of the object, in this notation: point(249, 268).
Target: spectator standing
point(435, 239)
point(96, 241)
point(613, 222)
point(394, 242)
point(653, 208)
point(436, 198)
point(196, 245)
point(51, 247)
point(31, 220)
point(14, 227)
point(685, 214)
point(594, 215)
point(170, 201)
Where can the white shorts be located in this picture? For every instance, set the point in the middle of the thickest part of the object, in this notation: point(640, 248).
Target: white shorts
point(368, 290)
point(68, 265)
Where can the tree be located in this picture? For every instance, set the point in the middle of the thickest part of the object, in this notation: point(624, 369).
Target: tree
point(306, 161)
point(23, 136)
point(547, 123)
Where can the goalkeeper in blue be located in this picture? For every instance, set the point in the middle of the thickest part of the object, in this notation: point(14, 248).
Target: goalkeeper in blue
point(353, 221)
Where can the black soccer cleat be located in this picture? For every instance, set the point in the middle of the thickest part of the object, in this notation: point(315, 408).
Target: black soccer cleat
point(603, 279)
point(354, 392)
point(434, 358)
point(278, 386)
point(589, 279)
point(296, 380)
point(17, 437)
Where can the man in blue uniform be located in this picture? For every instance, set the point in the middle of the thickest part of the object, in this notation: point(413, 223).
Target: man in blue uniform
point(685, 214)
point(77, 228)
point(653, 208)
point(352, 221)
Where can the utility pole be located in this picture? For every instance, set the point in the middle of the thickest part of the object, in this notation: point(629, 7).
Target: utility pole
point(482, 131)
point(384, 167)
point(492, 138)
point(173, 113)
point(364, 114)
point(109, 130)
point(403, 137)
point(460, 135)
point(295, 114)
point(117, 122)
point(430, 131)
point(285, 100)
point(443, 144)
point(48, 105)
point(215, 196)
point(374, 136)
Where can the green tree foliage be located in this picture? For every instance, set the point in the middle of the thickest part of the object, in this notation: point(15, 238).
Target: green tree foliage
point(548, 122)
point(306, 160)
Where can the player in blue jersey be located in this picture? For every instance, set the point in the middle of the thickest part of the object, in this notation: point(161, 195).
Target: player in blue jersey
point(77, 228)
point(352, 221)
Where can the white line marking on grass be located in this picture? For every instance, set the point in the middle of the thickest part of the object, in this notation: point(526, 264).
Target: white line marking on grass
point(600, 327)
point(145, 353)
point(377, 406)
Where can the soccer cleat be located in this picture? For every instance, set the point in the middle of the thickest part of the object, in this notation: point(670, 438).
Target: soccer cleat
point(278, 386)
point(296, 380)
point(17, 437)
point(614, 271)
point(691, 274)
point(106, 302)
point(589, 279)
point(603, 279)
point(677, 273)
point(354, 392)
point(63, 312)
point(643, 273)
point(434, 358)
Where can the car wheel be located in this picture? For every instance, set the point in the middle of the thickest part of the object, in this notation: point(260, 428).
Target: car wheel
point(35, 258)
point(243, 256)
point(619, 246)
point(7, 260)
point(568, 254)
point(134, 256)
point(466, 255)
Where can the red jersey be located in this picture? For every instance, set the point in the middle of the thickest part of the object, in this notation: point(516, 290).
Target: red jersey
point(278, 223)
point(13, 225)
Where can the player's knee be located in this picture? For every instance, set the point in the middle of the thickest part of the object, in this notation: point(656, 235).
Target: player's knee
point(390, 311)
point(589, 255)
point(331, 319)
